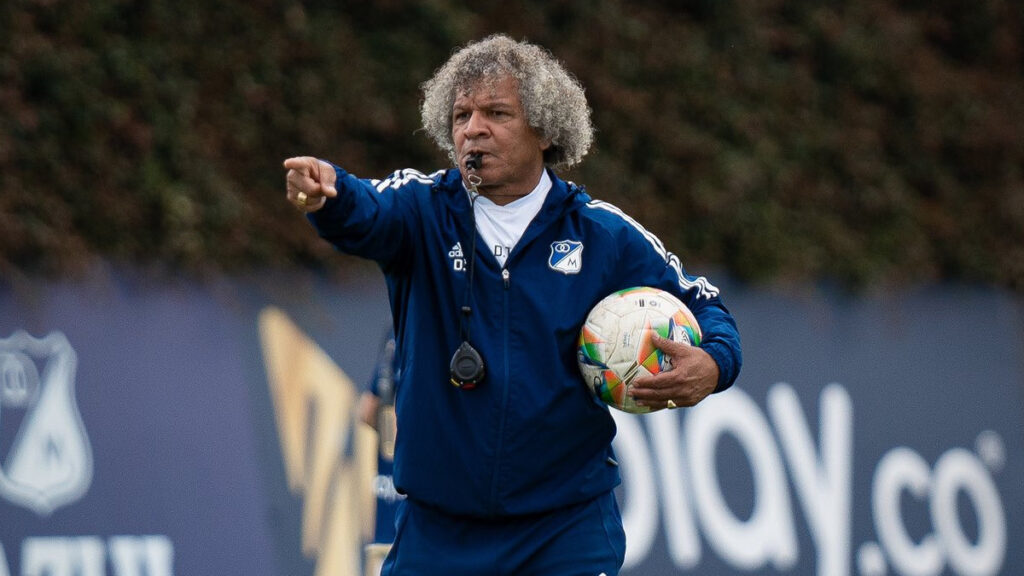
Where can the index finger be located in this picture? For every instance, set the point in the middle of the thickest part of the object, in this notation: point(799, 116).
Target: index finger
point(311, 175)
point(298, 163)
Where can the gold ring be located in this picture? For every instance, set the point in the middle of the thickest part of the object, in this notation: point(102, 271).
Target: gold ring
point(301, 198)
point(671, 405)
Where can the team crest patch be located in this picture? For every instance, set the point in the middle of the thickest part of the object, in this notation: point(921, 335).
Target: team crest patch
point(49, 462)
point(566, 256)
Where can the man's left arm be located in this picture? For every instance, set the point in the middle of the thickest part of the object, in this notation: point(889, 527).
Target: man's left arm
point(697, 371)
point(719, 338)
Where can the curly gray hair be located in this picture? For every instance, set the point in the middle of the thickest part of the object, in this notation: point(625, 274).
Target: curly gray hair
point(553, 100)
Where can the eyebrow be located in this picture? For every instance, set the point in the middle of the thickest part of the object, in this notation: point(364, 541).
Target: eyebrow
point(503, 102)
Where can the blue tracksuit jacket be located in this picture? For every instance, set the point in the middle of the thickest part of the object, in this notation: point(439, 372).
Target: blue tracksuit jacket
point(530, 438)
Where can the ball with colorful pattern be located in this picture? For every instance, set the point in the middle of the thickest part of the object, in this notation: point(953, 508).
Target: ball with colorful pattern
point(615, 342)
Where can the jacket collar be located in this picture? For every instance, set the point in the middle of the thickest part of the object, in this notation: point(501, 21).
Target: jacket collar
point(562, 196)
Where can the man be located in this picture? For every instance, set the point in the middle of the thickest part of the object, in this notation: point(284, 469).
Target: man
point(509, 471)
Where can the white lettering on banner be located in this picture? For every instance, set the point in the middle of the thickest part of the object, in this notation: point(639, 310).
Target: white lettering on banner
point(87, 556)
point(903, 469)
point(824, 490)
point(688, 495)
point(957, 470)
point(639, 518)
point(141, 555)
point(81, 556)
point(768, 536)
point(680, 525)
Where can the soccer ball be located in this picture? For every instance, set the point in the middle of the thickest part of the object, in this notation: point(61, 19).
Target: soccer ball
point(615, 341)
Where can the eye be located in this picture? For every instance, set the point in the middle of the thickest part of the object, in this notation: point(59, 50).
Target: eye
point(460, 116)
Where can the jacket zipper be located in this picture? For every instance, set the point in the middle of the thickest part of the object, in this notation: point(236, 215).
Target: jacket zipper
point(496, 480)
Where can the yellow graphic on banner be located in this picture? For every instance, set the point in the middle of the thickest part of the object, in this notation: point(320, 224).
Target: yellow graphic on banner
point(314, 406)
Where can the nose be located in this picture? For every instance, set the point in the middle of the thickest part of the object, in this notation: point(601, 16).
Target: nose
point(476, 126)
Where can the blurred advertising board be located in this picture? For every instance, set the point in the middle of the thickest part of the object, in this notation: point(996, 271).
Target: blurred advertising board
point(209, 428)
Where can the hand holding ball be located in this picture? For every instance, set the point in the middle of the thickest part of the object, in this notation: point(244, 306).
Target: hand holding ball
point(615, 342)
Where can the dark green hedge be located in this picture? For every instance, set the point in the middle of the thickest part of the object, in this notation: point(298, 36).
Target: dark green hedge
point(863, 142)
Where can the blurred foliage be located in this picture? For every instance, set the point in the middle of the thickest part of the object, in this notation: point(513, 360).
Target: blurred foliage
point(875, 142)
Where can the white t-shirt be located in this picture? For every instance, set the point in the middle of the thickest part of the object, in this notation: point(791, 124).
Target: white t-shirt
point(501, 227)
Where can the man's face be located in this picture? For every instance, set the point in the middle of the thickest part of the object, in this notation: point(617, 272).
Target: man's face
point(489, 119)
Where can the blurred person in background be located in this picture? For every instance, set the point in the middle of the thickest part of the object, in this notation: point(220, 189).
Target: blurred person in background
point(377, 409)
point(492, 266)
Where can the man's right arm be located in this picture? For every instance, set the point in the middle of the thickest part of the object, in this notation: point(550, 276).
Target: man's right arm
point(353, 214)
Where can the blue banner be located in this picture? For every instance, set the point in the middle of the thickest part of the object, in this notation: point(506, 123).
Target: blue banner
point(210, 428)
